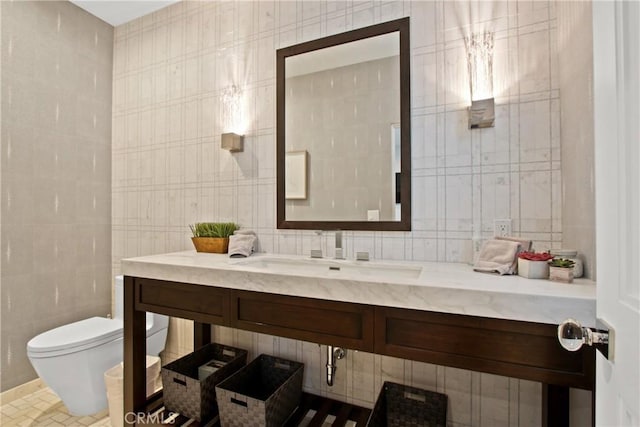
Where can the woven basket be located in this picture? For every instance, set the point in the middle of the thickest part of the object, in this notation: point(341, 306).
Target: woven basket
point(216, 245)
point(185, 394)
point(262, 394)
point(404, 406)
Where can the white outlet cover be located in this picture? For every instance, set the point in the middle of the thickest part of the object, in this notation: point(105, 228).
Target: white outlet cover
point(502, 227)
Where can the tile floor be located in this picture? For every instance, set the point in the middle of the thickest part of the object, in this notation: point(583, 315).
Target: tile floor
point(44, 408)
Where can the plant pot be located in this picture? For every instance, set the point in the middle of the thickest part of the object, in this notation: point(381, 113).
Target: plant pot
point(561, 274)
point(216, 245)
point(533, 269)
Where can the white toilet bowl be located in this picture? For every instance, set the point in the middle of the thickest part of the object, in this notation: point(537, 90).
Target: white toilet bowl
point(72, 359)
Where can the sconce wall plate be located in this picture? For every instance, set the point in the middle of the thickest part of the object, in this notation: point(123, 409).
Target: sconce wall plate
point(232, 142)
point(482, 114)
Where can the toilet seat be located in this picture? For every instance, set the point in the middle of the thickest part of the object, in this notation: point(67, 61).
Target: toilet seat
point(74, 337)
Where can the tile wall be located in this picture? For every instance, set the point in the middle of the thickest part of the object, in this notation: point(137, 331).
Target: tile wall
point(575, 47)
point(56, 174)
point(174, 69)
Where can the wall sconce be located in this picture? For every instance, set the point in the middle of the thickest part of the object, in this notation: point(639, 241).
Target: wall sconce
point(232, 142)
point(231, 99)
point(480, 63)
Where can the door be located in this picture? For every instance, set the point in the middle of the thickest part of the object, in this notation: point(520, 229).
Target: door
point(616, 47)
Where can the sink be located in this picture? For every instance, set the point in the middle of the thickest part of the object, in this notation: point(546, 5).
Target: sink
point(324, 267)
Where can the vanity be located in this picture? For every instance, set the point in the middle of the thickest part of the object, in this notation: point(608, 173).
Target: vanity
point(439, 313)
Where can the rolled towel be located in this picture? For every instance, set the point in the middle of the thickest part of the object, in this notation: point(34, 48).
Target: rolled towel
point(241, 245)
point(256, 243)
point(499, 256)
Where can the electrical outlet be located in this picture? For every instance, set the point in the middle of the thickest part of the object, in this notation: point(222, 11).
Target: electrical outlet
point(502, 227)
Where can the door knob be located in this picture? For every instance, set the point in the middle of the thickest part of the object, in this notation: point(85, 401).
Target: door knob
point(572, 336)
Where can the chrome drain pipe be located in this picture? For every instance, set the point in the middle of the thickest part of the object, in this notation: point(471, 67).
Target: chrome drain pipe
point(333, 354)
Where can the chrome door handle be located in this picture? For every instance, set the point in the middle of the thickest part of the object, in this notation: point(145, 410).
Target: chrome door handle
point(572, 336)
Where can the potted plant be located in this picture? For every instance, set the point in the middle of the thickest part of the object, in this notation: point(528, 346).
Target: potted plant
point(212, 237)
point(533, 265)
point(561, 270)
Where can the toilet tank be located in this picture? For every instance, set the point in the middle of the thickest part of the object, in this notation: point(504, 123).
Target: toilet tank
point(155, 322)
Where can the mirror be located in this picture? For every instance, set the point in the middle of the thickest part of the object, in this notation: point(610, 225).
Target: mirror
point(344, 131)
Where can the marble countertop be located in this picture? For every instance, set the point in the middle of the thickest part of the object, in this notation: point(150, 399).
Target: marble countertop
point(441, 287)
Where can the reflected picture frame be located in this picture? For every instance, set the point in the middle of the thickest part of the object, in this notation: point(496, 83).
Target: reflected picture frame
point(296, 173)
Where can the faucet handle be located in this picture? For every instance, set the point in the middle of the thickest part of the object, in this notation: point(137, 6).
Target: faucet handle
point(339, 250)
point(362, 256)
point(316, 253)
point(316, 242)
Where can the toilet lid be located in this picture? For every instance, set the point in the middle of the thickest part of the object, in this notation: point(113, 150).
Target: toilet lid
point(75, 336)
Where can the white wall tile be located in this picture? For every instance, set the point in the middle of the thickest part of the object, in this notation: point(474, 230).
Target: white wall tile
point(530, 396)
point(361, 376)
point(494, 400)
point(425, 202)
point(534, 66)
point(456, 76)
point(535, 201)
point(532, 12)
point(394, 248)
point(458, 390)
point(457, 139)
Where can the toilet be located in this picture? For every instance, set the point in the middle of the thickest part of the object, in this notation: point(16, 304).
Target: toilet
point(72, 359)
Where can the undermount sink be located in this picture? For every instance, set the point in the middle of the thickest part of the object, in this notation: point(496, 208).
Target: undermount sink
point(323, 267)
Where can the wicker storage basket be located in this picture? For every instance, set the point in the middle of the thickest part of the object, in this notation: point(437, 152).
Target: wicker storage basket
point(263, 393)
point(404, 406)
point(194, 398)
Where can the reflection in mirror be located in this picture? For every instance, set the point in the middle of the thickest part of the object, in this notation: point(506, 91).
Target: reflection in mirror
point(343, 102)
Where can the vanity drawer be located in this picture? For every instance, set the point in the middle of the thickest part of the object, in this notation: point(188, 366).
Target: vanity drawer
point(206, 304)
point(320, 321)
point(504, 347)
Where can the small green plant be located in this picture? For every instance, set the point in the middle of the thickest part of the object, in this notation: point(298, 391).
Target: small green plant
point(561, 262)
point(213, 229)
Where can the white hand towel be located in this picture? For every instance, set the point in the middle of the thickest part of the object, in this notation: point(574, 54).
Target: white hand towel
point(525, 244)
point(241, 245)
point(499, 256)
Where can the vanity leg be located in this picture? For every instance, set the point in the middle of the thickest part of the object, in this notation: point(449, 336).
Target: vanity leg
point(135, 349)
point(201, 334)
point(555, 406)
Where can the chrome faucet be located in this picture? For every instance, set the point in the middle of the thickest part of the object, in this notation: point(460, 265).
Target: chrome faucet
point(317, 251)
point(339, 250)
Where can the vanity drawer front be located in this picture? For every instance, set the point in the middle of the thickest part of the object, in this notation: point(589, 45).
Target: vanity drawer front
point(320, 321)
point(504, 347)
point(206, 304)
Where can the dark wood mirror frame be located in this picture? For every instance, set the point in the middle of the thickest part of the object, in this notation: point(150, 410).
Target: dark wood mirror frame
point(402, 27)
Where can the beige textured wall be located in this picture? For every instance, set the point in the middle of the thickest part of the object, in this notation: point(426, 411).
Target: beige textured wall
point(342, 117)
point(173, 72)
point(56, 173)
point(575, 64)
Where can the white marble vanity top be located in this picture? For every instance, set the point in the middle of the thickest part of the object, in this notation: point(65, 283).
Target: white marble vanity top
point(441, 287)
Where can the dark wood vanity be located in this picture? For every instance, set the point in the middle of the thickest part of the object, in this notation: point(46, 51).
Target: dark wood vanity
point(504, 347)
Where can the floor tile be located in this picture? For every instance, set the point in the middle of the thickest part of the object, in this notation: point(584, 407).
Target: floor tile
point(43, 408)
